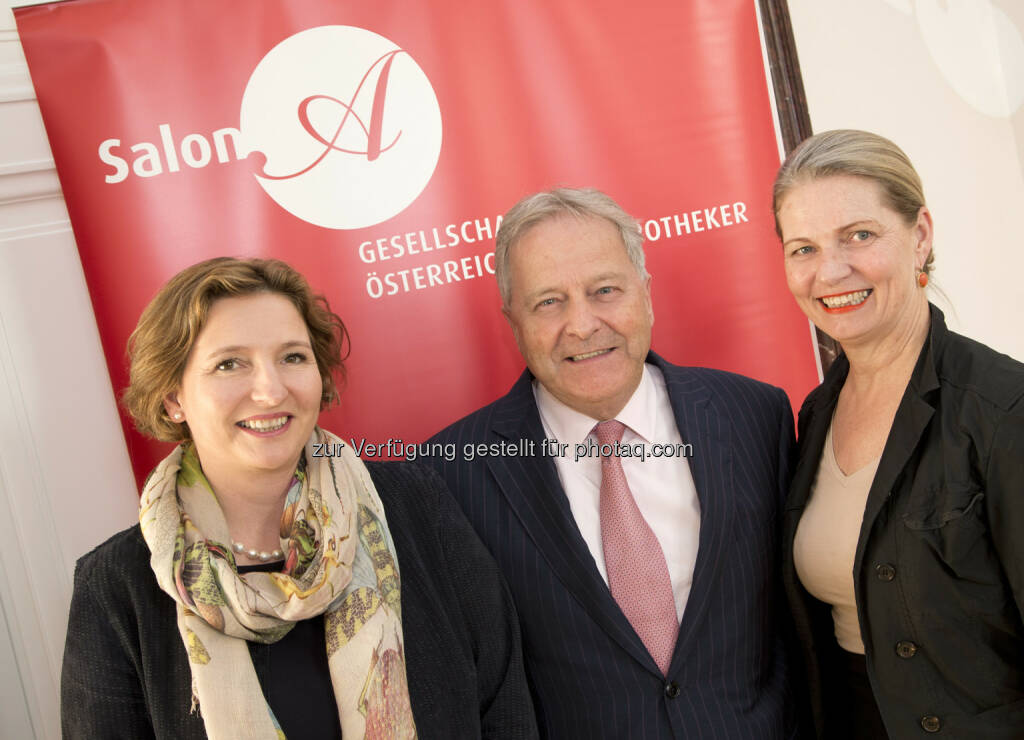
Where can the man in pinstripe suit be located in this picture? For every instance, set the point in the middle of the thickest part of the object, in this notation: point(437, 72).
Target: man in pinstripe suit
point(570, 269)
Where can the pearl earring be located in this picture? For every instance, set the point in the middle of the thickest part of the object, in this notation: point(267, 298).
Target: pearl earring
point(177, 415)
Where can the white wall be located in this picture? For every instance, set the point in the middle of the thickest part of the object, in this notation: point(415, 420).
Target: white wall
point(917, 71)
point(65, 482)
point(944, 79)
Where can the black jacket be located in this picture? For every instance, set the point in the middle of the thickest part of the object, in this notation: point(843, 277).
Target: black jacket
point(126, 673)
point(939, 567)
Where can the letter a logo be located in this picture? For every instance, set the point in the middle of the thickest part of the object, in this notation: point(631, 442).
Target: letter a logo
point(347, 123)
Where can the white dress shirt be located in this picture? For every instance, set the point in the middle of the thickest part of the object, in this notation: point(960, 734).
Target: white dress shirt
point(662, 486)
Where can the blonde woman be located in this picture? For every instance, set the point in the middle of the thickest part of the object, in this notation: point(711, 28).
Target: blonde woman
point(904, 561)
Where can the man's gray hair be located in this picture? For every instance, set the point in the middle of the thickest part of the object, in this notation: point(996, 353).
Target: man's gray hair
point(577, 202)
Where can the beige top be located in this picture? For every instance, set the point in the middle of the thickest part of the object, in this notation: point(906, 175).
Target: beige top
point(826, 541)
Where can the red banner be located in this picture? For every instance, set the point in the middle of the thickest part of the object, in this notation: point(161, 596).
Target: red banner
point(374, 147)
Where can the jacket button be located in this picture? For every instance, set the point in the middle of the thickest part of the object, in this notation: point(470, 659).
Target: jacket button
point(672, 690)
point(930, 723)
point(885, 572)
point(906, 649)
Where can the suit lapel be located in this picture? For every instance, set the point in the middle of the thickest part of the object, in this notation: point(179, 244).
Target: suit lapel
point(711, 464)
point(911, 419)
point(531, 486)
point(812, 432)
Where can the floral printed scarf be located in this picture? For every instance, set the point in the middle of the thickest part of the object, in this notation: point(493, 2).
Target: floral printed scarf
point(339, 562)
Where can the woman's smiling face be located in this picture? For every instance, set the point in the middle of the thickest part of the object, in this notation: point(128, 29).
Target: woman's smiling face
point(251, 389)
point(852, 261)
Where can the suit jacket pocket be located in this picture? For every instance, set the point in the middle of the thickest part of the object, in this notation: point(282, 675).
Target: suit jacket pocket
point(950, 522)
point(942, 505)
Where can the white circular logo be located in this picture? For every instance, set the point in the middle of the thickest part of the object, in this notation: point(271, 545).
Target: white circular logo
point(348, 124)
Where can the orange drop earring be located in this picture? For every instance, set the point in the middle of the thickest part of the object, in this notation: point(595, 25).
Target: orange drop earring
point(922, 278)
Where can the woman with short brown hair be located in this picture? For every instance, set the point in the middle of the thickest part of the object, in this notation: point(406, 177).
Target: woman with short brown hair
point(276, 585)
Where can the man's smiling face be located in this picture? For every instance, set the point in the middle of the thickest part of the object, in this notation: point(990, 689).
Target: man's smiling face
point(580, 312)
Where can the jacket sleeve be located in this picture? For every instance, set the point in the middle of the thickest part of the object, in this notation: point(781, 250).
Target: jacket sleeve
point(101, 692)
point(787, 451)
point(506, 710)
point(1004, 484)
point(798, 722)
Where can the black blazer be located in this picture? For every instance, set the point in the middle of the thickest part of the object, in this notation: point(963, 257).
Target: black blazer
point(126, 672)
point(939, 568)
point(590, 674)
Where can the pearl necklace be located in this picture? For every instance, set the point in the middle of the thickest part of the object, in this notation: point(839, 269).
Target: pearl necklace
point(262, 556)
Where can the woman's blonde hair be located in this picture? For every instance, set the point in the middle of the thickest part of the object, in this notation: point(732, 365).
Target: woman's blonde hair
point(856, 153)
point(159, 347)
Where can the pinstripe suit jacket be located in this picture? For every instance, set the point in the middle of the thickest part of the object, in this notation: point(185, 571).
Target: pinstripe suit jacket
point(590, 674)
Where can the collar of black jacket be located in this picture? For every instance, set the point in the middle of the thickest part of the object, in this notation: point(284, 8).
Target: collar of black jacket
point(924, 378)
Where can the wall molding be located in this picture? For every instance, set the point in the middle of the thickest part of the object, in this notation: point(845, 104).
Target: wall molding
point(29, 549)
point(22, 185)
point(36, 229)
point(15, 83)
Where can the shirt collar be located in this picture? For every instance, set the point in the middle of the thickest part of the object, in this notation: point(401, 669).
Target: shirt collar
point(566, 424)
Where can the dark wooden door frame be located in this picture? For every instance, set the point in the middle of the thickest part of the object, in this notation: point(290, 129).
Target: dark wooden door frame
point(791, 106)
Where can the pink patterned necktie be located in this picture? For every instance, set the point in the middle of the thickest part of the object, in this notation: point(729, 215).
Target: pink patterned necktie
point(637, 572)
